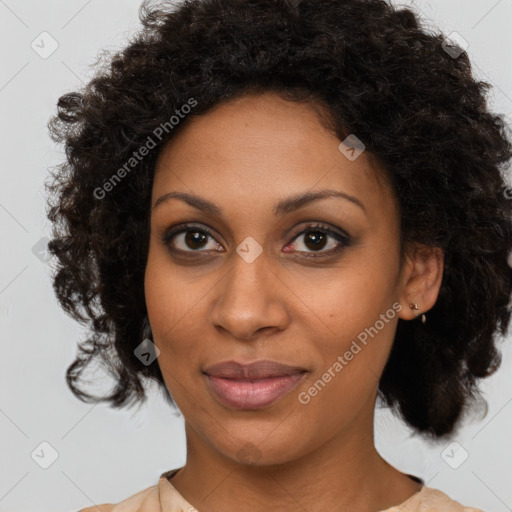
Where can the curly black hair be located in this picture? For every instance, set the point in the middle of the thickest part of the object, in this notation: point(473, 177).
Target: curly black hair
point(407, 94)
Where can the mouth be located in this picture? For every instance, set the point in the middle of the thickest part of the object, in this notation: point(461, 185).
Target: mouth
point(252, 386)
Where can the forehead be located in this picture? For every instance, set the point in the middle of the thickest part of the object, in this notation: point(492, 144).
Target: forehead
point(258, 148)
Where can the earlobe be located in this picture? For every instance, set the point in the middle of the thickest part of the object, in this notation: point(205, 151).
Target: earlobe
point(416, 308)
point(423, 277)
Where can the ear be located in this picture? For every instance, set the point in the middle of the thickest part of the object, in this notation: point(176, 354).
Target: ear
point(421, 279)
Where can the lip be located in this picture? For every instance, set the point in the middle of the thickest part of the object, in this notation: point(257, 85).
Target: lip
point(252, 386)
point(262, 369)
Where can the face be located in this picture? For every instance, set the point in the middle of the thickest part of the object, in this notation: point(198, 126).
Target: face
point(303, 286)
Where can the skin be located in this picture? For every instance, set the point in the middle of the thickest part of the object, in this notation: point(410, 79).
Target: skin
point(246, 155)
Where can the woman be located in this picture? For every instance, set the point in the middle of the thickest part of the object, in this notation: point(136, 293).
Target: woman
point(281, 211)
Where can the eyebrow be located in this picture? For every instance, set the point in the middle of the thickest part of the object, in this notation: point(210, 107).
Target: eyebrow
point(284, 206)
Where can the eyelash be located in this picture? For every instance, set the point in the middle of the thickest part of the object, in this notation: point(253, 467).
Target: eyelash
point(343, 239)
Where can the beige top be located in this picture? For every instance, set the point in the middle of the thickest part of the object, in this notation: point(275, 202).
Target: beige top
point(164, 497)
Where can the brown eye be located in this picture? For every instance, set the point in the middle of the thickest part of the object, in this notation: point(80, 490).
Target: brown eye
point(195, 239)
point(191, 239)
point(315, 240)
point(317, 237)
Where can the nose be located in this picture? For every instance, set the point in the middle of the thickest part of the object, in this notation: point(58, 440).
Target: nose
point(251, 299)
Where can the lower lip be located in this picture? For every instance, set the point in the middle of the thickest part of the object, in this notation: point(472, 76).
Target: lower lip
point(243, 394)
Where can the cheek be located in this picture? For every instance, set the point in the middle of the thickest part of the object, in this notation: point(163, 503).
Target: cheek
point(170, 304)
point(354, 318)
point(171, 294)
point(175, 301)
point(344, 302)
point(170, 313)
point(350, 365)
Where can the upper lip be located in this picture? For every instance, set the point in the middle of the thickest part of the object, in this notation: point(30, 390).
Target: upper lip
point(257, 370)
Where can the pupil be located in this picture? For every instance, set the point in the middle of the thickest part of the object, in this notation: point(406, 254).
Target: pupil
point(194, 237)
point(317, 238)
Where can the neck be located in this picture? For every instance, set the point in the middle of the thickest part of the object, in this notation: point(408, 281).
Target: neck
point(346, 472)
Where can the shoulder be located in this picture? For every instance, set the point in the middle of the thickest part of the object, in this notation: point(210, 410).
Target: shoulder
point(106, 507)
point(438, 501)
point(142, 501)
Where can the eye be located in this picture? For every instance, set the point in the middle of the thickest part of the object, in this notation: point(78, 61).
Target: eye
point(193, 238)
point(316, 237)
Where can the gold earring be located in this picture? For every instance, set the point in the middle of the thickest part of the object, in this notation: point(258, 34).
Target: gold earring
point(416, 308)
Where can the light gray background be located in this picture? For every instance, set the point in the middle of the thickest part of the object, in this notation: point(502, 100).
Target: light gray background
point(106, 455)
